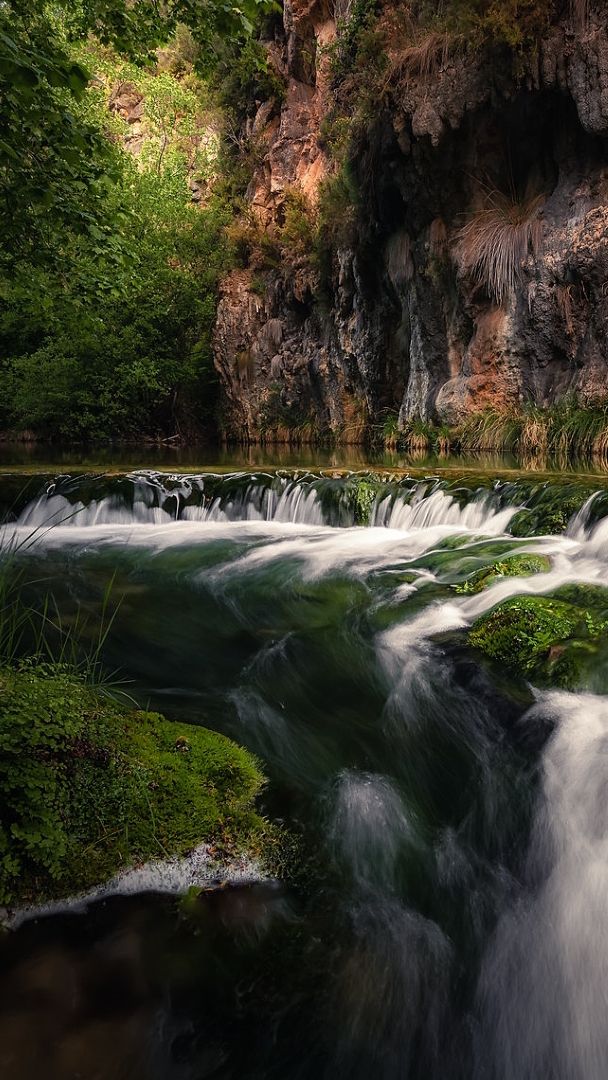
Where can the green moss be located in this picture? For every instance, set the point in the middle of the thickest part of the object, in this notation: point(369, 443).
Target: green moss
point(551, 640)
point(361, 497)
point(512, 566)
point(88, 787)
point(521, 630)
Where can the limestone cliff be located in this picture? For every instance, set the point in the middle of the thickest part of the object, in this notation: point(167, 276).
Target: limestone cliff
point(411, 322)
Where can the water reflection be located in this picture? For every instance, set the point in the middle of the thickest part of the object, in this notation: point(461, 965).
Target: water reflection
point(30, 457)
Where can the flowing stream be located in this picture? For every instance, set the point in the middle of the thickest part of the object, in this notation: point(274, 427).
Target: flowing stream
point(451, 922)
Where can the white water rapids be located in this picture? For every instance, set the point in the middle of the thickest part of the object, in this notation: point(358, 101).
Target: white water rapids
point(460, 815)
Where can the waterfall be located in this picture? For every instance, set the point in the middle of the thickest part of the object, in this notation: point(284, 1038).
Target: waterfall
point(543, 985)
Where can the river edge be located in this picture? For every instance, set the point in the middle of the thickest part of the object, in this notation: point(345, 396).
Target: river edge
point(94, 791)
point(199, 871)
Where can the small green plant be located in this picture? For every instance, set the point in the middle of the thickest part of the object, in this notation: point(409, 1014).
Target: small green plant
point(339, 201)
point(389, 431)
point(297, 232)
point(419, 435)
point(512, 566)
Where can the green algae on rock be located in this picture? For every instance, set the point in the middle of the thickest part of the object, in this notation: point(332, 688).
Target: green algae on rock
point(89, 787)
point(511, 566)
point(553, 641)
point(521, 630)
point(361, 492)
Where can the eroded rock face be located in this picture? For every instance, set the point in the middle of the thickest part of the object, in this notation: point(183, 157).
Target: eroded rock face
point(406, 327)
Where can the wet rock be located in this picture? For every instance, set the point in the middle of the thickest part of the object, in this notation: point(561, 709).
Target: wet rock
point(549, 640)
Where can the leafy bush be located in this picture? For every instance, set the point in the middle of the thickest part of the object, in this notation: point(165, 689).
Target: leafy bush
point(246, 74)
point(119, 345)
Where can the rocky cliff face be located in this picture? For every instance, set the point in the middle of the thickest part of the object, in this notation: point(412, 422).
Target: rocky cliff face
point(413, 323)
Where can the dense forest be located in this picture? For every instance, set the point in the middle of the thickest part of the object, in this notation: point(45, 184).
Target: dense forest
point(112, 246)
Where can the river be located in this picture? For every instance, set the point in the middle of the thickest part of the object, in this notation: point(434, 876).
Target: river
point(451, 921)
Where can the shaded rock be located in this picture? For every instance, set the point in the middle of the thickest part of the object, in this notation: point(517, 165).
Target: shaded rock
point(404, 324)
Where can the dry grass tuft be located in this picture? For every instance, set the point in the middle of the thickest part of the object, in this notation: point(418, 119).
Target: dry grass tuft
point(493, 245)
point(271, 334)
point(563, 300)
point(399, 264)
point(424, 58)
point(579, 12)
point(491, 431)
point(534, 437)
point(600, 445)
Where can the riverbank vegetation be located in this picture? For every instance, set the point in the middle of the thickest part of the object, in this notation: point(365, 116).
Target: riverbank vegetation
point(565, 431)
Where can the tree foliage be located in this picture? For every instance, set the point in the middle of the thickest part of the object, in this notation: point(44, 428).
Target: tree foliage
point(108, 269)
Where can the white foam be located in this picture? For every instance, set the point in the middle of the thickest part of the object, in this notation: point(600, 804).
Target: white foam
point(175, 876)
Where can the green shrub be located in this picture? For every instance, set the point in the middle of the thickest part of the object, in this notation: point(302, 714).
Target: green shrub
point(297, 231)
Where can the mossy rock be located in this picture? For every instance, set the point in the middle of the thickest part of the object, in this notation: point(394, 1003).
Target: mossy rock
point(361, 495)
point(549, 517)
point(511, 566)
point(523, 629)
point(88, 787)
point(548, 640)
point(593, 599)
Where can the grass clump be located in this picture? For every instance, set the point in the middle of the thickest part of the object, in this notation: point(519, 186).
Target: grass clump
point(88, 787)
point(494, 244)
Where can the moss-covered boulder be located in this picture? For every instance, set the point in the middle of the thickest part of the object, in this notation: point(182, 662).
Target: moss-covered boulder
point(511, 566)
point(88, 787)
point(361, 493)
point(549, 640)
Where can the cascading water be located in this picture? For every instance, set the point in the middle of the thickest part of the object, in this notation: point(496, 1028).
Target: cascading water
point(451, 921)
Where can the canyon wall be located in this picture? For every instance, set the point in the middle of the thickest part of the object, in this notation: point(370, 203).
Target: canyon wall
point(406, 323)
